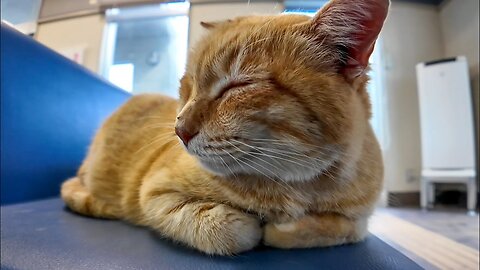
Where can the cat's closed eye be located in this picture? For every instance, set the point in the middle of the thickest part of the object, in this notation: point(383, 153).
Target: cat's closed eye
point(231, 85)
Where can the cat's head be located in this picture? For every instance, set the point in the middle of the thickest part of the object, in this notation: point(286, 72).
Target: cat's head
point(280, 96)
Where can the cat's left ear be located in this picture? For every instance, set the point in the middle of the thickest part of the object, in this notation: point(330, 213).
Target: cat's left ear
point(352, 27)
point(211, 25)
point(208, 25)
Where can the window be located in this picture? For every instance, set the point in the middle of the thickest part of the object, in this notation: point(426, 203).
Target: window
point(377, 94)
point(145, 48)
point(308, 7)
point(22, 14)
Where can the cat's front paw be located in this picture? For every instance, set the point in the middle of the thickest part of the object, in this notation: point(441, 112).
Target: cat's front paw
point(230, 231)
point(321, 230)
point(280, 235)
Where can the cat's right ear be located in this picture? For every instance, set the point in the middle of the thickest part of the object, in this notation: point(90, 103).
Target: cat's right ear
point(351, 29)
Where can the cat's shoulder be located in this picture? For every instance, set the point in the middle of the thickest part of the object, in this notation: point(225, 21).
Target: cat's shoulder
point(146, 102)
point(150, 98)
point(145, 108)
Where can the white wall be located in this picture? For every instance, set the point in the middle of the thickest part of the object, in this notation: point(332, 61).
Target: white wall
point(208, 12)
point(411, 35)
point(86, 32)
point(460, 29)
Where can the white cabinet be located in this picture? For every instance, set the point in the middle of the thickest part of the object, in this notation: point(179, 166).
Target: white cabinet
point(447, 127)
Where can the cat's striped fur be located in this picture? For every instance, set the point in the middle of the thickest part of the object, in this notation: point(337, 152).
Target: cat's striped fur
point(280, 147)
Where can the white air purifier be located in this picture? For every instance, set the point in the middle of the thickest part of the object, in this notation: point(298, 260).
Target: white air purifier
point(447, 127)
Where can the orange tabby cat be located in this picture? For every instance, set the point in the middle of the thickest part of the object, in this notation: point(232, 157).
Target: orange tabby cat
point(273, 118)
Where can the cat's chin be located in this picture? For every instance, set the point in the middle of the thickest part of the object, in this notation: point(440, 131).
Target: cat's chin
point(294, 175)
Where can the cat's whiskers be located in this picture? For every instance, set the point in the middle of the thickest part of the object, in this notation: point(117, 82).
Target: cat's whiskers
point(226, 166)
point(255, 148)
point(311, 160)
point(289, 143)
point(279, 181)
point(292, 145)
point(326, 165)
point(273, 157)
point(324, 169)
point(287, 153)
point(249, 154)
point(279, 151)
point(233, 158)
point(238, 160)
point(316, 148)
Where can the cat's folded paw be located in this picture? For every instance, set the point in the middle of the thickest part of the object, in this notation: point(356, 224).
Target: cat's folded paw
point(230, 231)
point(280, 235)
point(314, 231)
point(303, 233)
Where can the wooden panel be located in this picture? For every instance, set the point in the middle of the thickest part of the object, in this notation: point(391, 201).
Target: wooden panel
point(436, 249)
point(61, 9)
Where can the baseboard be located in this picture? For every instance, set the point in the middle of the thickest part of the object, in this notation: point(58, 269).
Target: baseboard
point(403, 199)
point(411, 199)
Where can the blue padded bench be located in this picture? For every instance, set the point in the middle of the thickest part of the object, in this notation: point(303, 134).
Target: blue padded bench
point(50, 108)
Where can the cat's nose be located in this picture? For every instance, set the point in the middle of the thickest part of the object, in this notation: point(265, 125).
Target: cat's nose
point(184, 135)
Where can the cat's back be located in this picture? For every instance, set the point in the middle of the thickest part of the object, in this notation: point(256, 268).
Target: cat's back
point(125, 144)
point(139, 120)
point(140, 108)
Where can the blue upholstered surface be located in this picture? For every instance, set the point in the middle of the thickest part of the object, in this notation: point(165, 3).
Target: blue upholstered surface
point(43, 235)
point(50, 109)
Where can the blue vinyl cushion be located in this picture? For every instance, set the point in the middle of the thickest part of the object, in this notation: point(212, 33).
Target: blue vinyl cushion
point(43, 235)
point(50, 109)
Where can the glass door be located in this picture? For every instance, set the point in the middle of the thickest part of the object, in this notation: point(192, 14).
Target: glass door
point(145, 47)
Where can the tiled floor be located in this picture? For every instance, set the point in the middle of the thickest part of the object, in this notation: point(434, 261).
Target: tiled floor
point(437, 239)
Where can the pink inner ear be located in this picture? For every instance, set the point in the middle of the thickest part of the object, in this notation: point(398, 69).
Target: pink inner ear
point(358, 58)
point(364, 30)
point(365, 41)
